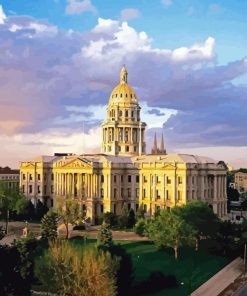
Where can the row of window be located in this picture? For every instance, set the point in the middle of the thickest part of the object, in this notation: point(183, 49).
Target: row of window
point(38, 177)
point(9, 177)
point(30, 189)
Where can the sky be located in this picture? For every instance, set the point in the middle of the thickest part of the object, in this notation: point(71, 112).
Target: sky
point(60, 60)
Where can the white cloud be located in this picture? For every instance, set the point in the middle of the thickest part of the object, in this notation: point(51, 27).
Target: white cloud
point(129, 14)
point(205, 50)
point(3, 16)
point(167, 3)
point(80, 6)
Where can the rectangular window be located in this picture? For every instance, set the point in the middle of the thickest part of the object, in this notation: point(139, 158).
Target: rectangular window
point(115, 193)
point(52, 189)
point(23, 177)
point(114, 209)
point(145, 179)
point(180, 180)
point(129, 178)
point(30, 177)
point(102, 179)
point(157, 194)
point(45, 190)
point(30, 188)
point(52, 177)
point(144, 193)
point(122, 192)
point(102, 192)
point(168, 180)
point(115, 178)
point(38, 189)
point(122, 178)
point(157, 180)
point(137, 192)
point(179, 195)
point(167, 194)
point(23, 188)
point(38, 177)
point(129, 192)
point(127, 148)
point(137, 179)
point(102, 208)
point(129, 206)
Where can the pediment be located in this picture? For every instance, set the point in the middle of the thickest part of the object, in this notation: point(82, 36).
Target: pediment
point(168, 166)
point(28, 166)
point(76, 163)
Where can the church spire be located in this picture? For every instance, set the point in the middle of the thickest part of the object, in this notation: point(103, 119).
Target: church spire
point(123, 75)
point(155, 147)
point(162, 146)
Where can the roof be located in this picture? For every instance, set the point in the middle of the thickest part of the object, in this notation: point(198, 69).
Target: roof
point(8, 170)
point(179, 158)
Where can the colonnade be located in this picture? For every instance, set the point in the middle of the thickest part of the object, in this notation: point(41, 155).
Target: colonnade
point(81, 185)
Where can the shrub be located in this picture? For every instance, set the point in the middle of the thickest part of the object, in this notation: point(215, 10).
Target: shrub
point(140, 227)
point(110, 218)
point(104, 238)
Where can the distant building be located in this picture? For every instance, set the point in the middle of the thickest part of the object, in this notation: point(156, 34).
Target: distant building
point(9, 179)
point(241, 181)
point(124, 173)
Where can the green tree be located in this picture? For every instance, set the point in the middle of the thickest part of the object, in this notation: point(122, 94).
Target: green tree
point(40, 210)
point(69, 213)
point(124, 217)
point(110, 218)
point(131, 218)
point(140, 227)
point(90, 272)
point(170, 230)
point(27, 248)
point(104, 238)
point(202, 218)
point(49, 225)
point(140, 214)
point(11, 200)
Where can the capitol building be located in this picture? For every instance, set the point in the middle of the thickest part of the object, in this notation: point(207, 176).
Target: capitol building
point(124, 173)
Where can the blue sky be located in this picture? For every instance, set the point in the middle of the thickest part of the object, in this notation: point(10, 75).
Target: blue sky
point(170, 25)
point(60, 60)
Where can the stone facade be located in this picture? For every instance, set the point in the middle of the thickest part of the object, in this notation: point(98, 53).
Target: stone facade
point(9, 179)
point(123, 173)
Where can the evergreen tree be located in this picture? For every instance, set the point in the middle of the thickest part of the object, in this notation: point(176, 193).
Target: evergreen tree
point(49, 225)
point(124, 217)
point(140, 212)
point(104, 238)
point(131, 218)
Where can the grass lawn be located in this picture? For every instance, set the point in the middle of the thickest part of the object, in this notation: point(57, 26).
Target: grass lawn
point(192, 269)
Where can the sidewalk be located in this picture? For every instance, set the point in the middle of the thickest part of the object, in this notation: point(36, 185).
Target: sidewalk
point(8, 239)
point(221, 280)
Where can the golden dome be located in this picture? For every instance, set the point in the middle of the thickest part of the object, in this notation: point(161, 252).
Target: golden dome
point(123, 92)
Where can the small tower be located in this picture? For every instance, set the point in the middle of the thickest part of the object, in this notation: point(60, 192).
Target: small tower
point(162, 146)
point(155, 147)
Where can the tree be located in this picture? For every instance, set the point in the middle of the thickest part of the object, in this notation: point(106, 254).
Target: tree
point(11, 200)
point(140, 227)
point(140, 214)
point(131, 218)
point(27, 248)
point(170, 230)
point(40, 210)
point(104, 238)
point(49, 225)
point(110, 218)
point(69, 213)
point(124, 217)
point(202, 218)
point(90, 272)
